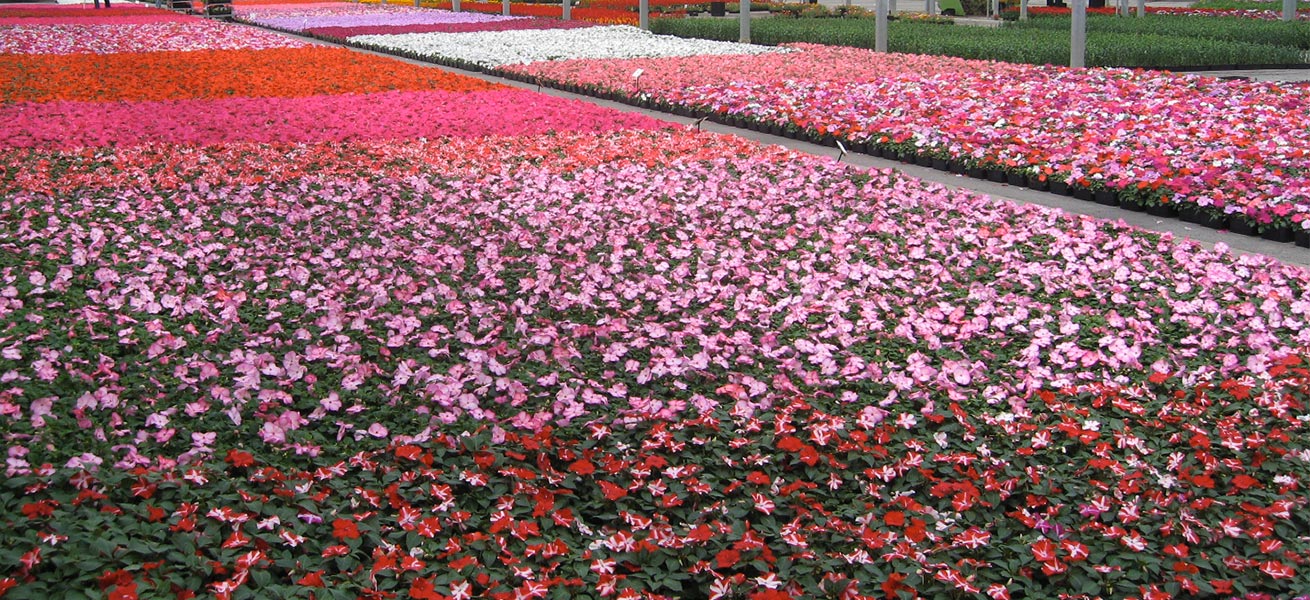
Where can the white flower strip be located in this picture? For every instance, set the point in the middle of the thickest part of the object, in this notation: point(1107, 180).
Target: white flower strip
point(496, 48)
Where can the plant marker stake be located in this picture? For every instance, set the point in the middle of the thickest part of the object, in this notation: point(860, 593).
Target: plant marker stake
point(842, 148)
point(1078, 35)
point(568, 9)
point(1289, 10)
point(744, 7)
point(643, 12)
point(880, 29)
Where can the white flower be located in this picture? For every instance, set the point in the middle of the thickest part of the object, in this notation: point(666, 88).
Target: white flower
point(497, 48)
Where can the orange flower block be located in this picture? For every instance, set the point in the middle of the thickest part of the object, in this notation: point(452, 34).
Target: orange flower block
point(286, 73)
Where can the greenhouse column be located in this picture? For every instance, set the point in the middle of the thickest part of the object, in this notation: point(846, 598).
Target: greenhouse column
point(504, 7)
point(568, 9)
point(1078, 34)
point(745, 8)
point(880, 29)
point(643, 14)
point(1289, 10)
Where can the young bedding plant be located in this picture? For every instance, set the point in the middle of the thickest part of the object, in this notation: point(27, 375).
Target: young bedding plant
point(597, 358)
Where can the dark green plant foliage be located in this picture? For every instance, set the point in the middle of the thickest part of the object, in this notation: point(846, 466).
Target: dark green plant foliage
point(1111, 42)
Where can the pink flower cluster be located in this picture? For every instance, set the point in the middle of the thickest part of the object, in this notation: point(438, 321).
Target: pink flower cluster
point(535, 296)
point(380, 116)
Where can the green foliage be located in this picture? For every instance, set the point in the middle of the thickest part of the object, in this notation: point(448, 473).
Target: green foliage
point(1111, 43)
point(1246, 4)
point(1234, 29)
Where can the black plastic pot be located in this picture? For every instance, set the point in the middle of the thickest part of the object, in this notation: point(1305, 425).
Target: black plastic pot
point(1037, 183)
point(1239, 224)
point(1161, 210)
point(1016, 179)
point(1278, 234)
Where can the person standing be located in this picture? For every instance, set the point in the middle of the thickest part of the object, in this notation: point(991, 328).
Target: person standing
point(98, 3)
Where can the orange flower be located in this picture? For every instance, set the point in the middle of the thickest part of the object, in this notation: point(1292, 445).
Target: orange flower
point(288, 72)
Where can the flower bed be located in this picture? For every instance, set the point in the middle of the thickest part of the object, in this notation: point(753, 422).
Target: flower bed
point(509, 24)
point(604, 16)
point(498, 48)
point(289, 72)
point(1137, 132)
point(113, 37)
point(377, 116)
point(607, 360)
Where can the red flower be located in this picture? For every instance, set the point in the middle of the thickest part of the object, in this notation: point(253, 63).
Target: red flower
point(917, 530)
point(582, 467)
point(758, 478)
point(701, 533)
point(790, 444)
point(422, 590)
point(894, 518)
point(314, 579)
point(612, 492)
point(1044, 550)
point(6, 584)
point(409, 452)
point(237, 458)
point(727, 558)
point(123, 592)
point(36, 510)
point(1277, 570)
point(338, 550)
point(345, 529)
point(1244, 482)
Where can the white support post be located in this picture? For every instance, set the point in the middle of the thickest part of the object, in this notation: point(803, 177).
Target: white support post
point(1078, 35)
point(1289, 10)
point(880, 28)
point(744, 7)
point(1023, 10)
point(930, 7)
point(568, 9)
point(1141, 8)
point(643, 14)
point(454, 5)
point(504, 7)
